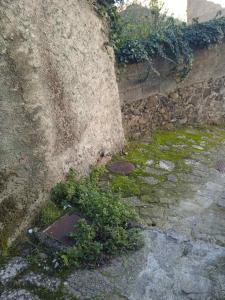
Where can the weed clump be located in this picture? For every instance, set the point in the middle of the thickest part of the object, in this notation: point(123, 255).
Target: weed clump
point(105, 227)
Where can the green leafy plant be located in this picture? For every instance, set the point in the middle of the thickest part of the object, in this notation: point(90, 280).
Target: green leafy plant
point(105, 228)
point(86, 248)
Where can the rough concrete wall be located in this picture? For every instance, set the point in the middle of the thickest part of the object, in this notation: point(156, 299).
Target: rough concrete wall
point(203, 9)
point(59, 101)
point(161, 102)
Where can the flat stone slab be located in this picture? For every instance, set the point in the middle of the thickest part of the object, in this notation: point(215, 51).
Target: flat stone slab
point(170, 266)
point(180, 147)
point(135, 201)
point(40, 281)
point(88, 284)
point(191, 162)
point(20, 294)
point(12, 269)
point(177, 268)
point(155, 171)
point(172, 178)
point(150, 180)
point(193, 284)
point(198, 147)
point(149, 162)
point(121, 167)
point(167, 165)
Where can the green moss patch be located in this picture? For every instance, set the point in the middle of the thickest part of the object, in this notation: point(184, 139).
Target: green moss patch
point(165, 145)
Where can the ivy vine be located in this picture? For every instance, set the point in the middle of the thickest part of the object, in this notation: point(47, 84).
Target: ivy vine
point(175, 44)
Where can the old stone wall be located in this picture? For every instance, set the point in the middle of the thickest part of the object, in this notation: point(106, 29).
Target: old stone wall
point(59, 101)
point(150, 101)
point(204, 10)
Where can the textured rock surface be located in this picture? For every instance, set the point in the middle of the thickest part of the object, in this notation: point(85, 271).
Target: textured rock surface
point(150, 180)
point(40, 281)
point(59, 103)
point(88, 284)
point(161, 102)
point(167, 165)
point(18, 295)
point(12, 269)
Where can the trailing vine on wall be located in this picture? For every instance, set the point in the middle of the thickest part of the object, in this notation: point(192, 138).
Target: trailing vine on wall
point(175, 43)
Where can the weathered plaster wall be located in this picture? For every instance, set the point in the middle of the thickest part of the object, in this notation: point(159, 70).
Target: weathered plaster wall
point(204, 10)
point(161, 102)
point(59, 101)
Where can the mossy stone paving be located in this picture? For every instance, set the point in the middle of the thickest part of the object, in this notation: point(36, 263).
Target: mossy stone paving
point(173, 147)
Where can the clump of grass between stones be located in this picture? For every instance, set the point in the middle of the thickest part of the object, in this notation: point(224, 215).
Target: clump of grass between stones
point(49, 213)
point(105, 228)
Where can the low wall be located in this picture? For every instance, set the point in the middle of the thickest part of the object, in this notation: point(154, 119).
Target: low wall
point(150, 102)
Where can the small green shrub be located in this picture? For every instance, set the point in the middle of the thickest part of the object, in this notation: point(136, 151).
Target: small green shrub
point(63, 192)
point(86, 248)
point(105, 227)
point(97, 173)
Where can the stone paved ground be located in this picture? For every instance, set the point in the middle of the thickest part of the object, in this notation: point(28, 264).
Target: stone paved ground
point(184, 253)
